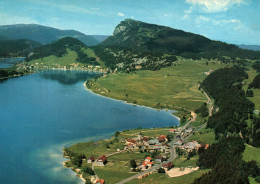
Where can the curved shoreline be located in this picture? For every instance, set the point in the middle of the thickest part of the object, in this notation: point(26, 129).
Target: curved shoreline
point(84, 84)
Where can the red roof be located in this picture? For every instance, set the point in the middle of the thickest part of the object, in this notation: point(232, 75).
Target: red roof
point(103, 158)
point(146, 139)
point(161, 138)
point(131, 140)
point(144, 163)
point(101, 181)
point(148, 158)
point(168, 165)
point(91, 158)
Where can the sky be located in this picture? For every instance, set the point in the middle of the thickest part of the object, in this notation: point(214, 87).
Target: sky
point(232, 21)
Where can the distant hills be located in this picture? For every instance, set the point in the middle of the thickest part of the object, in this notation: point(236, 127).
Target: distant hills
point(14, 48)
point(250, 47)
point(154, 38)
point(44, 34)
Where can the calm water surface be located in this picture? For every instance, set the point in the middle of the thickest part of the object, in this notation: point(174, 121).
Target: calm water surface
point(43, 112)
point(8, 62)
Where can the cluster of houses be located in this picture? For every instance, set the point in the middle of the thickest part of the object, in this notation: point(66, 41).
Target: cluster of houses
point(189, 146)
point(148, 144)
point(101, 161)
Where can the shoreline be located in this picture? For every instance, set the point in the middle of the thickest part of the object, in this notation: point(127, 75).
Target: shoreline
point(84, 84)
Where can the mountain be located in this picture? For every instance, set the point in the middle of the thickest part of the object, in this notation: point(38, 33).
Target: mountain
point(43, 34)
point(100, 38)
point(154, 38)
point(250, 47)
point(57, 48)
point(21, 47)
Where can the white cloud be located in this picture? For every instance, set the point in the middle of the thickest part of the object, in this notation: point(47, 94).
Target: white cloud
point(7, 19)
point(120, 14)
point(224, 22)
point(211, 6)
point(202, 18)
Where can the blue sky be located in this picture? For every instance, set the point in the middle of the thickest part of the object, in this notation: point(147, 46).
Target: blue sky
point(232, 21)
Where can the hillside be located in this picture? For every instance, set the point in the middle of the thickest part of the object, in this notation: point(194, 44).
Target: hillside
point(150, 37)
point(14, 48)
point(67, 52)
point(43, 34)
point(250, 47)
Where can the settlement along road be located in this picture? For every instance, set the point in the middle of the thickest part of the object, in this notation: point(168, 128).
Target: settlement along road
point(172, 151)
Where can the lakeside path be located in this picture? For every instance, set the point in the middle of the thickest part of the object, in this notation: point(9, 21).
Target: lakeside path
point(172, 151)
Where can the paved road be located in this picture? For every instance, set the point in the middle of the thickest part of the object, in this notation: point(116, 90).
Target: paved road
point(172, 151)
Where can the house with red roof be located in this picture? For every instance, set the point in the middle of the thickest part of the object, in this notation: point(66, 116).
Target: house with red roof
point(162, 138)
point(91, 159)
point(101, 161)
point(100, 181)
point(168, 166)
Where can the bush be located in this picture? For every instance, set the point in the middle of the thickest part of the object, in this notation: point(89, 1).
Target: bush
point(161, 170)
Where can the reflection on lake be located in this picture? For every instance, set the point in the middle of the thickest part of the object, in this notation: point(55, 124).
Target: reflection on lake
point(68, 77)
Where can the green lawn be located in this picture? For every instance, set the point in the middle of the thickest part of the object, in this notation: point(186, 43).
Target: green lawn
point(91, 53)
point(252, 180)
point(183, 162)
point(162, 178)
point(152, 132)
point(252, 153)
point(205, 136)
point(175, 87)
point(256, 98)
point(53, 61)
point(114, 172)
point(96, 149)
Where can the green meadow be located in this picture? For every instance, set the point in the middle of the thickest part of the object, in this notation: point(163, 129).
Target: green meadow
point(174, 87)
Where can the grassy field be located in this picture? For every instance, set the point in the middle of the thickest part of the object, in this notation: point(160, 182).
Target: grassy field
point(162, 178)
point(183, 162)
point(52, 61)
point(114, 172)
point(252, 153)
point(151, 132)
point(90, 52)
point(256, 98)
point(175, 87)
point(205, 136)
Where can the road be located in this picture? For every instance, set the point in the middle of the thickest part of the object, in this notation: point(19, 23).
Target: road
point(209, 102)
point(172, 151)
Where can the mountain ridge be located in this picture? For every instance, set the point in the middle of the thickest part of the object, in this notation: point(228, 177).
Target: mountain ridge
point(156, 38)
point(43, 34)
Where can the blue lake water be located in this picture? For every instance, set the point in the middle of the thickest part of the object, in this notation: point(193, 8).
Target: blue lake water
point(8, 62)
point(43, 112)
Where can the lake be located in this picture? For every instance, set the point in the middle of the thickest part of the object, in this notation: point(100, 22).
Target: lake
point(43, 112)
point(8, 62)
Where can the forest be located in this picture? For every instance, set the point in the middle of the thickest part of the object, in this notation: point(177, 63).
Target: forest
point(225, 160)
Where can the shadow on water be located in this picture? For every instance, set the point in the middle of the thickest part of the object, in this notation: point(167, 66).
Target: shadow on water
point(68, 77)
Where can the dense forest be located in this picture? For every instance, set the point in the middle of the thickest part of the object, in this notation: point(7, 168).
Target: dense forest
point(5, 73)
point(255, 83)
point(57, 48)
point(225, 87)
point(11, 48)
point(126, 59)
point(225, 160)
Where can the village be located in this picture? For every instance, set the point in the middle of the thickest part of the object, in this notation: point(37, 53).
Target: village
point(155, 154)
